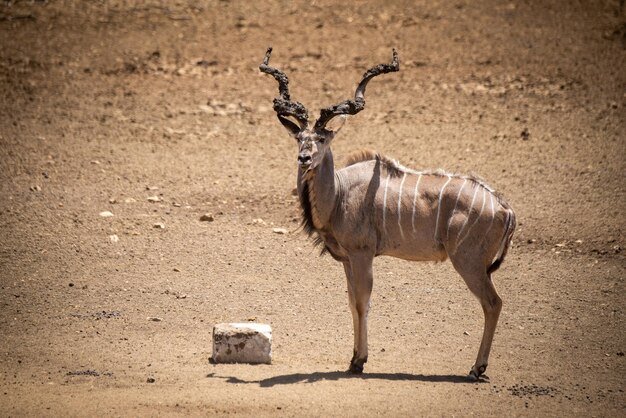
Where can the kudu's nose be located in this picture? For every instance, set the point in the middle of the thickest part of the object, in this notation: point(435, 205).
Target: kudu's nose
point(304, 159)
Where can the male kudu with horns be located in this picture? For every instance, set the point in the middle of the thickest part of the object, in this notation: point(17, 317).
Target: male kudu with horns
point(375, 206)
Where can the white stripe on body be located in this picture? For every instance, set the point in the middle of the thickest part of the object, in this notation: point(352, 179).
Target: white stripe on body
point(458, 196)
point(475, 221)
point(504, 240)
point(385, 205)
point(439, 206)
point(493, 215)
point(400, 206)
point(469, 214)
point(415, 194)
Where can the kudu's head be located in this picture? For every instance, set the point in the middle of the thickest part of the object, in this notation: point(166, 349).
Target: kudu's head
point(314, 142)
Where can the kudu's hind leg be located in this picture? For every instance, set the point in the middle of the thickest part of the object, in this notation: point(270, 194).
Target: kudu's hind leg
point(480, 284)
point(360, 280)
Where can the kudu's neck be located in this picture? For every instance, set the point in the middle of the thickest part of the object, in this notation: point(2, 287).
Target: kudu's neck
point(317, 190)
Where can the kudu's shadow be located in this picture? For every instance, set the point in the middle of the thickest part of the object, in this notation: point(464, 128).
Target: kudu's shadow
point(290, 379)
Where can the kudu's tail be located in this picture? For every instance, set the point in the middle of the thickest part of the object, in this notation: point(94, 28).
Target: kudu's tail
point(511, 222)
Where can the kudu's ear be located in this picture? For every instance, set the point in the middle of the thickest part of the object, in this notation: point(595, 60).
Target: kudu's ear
point(292, 127)
point(335, 124)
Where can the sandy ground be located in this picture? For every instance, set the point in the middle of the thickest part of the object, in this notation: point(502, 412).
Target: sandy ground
point(156, 112)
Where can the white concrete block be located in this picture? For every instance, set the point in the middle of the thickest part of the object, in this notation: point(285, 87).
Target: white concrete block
point(246, 342)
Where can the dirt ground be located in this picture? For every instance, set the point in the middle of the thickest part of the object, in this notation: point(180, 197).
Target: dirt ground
point(156, 112)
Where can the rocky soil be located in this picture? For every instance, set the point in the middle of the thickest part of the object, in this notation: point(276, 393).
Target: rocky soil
point(146, 194)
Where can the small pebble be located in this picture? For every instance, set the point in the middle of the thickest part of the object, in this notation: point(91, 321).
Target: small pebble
point(525, 135)
point(207, 217)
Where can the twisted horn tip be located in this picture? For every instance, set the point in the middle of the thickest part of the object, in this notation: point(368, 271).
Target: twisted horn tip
point(394, 60)
point(266, 60)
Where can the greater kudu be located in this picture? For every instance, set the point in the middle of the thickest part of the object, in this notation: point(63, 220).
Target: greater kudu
point(375, 206)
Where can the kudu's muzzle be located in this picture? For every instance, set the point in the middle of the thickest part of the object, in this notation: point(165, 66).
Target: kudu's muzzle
point(304, 159)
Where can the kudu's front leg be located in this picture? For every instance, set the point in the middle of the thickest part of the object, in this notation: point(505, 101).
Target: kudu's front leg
point(352, 302)
point(360, 280)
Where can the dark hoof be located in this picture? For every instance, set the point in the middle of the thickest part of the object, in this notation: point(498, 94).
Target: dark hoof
point(355, 368)
point(356, 364)
point(477, 374)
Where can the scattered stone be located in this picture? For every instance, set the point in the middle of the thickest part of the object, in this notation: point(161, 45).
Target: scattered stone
point(531, 390)
point(465, 333)
point(207, 217)
point(155, 319)
point(106, 214)
point(204, 63)
point(83, 373)
point(150, 380)
point(159, 225)
point(258, 221)
point(525, 135)
point(206, 109)
point(242, 343)
point(35, 188)
point(154, 199)
point(106, 315)
point(112, 200)
point(175, 294)
point(114, 238)
point(129, 200)
point(531, 241)
point(280, 231)
point(176, 270)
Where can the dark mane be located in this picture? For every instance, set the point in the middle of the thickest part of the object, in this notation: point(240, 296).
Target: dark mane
point(307, 216)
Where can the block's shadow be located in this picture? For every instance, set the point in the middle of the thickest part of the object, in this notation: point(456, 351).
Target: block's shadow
point(290, 379)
